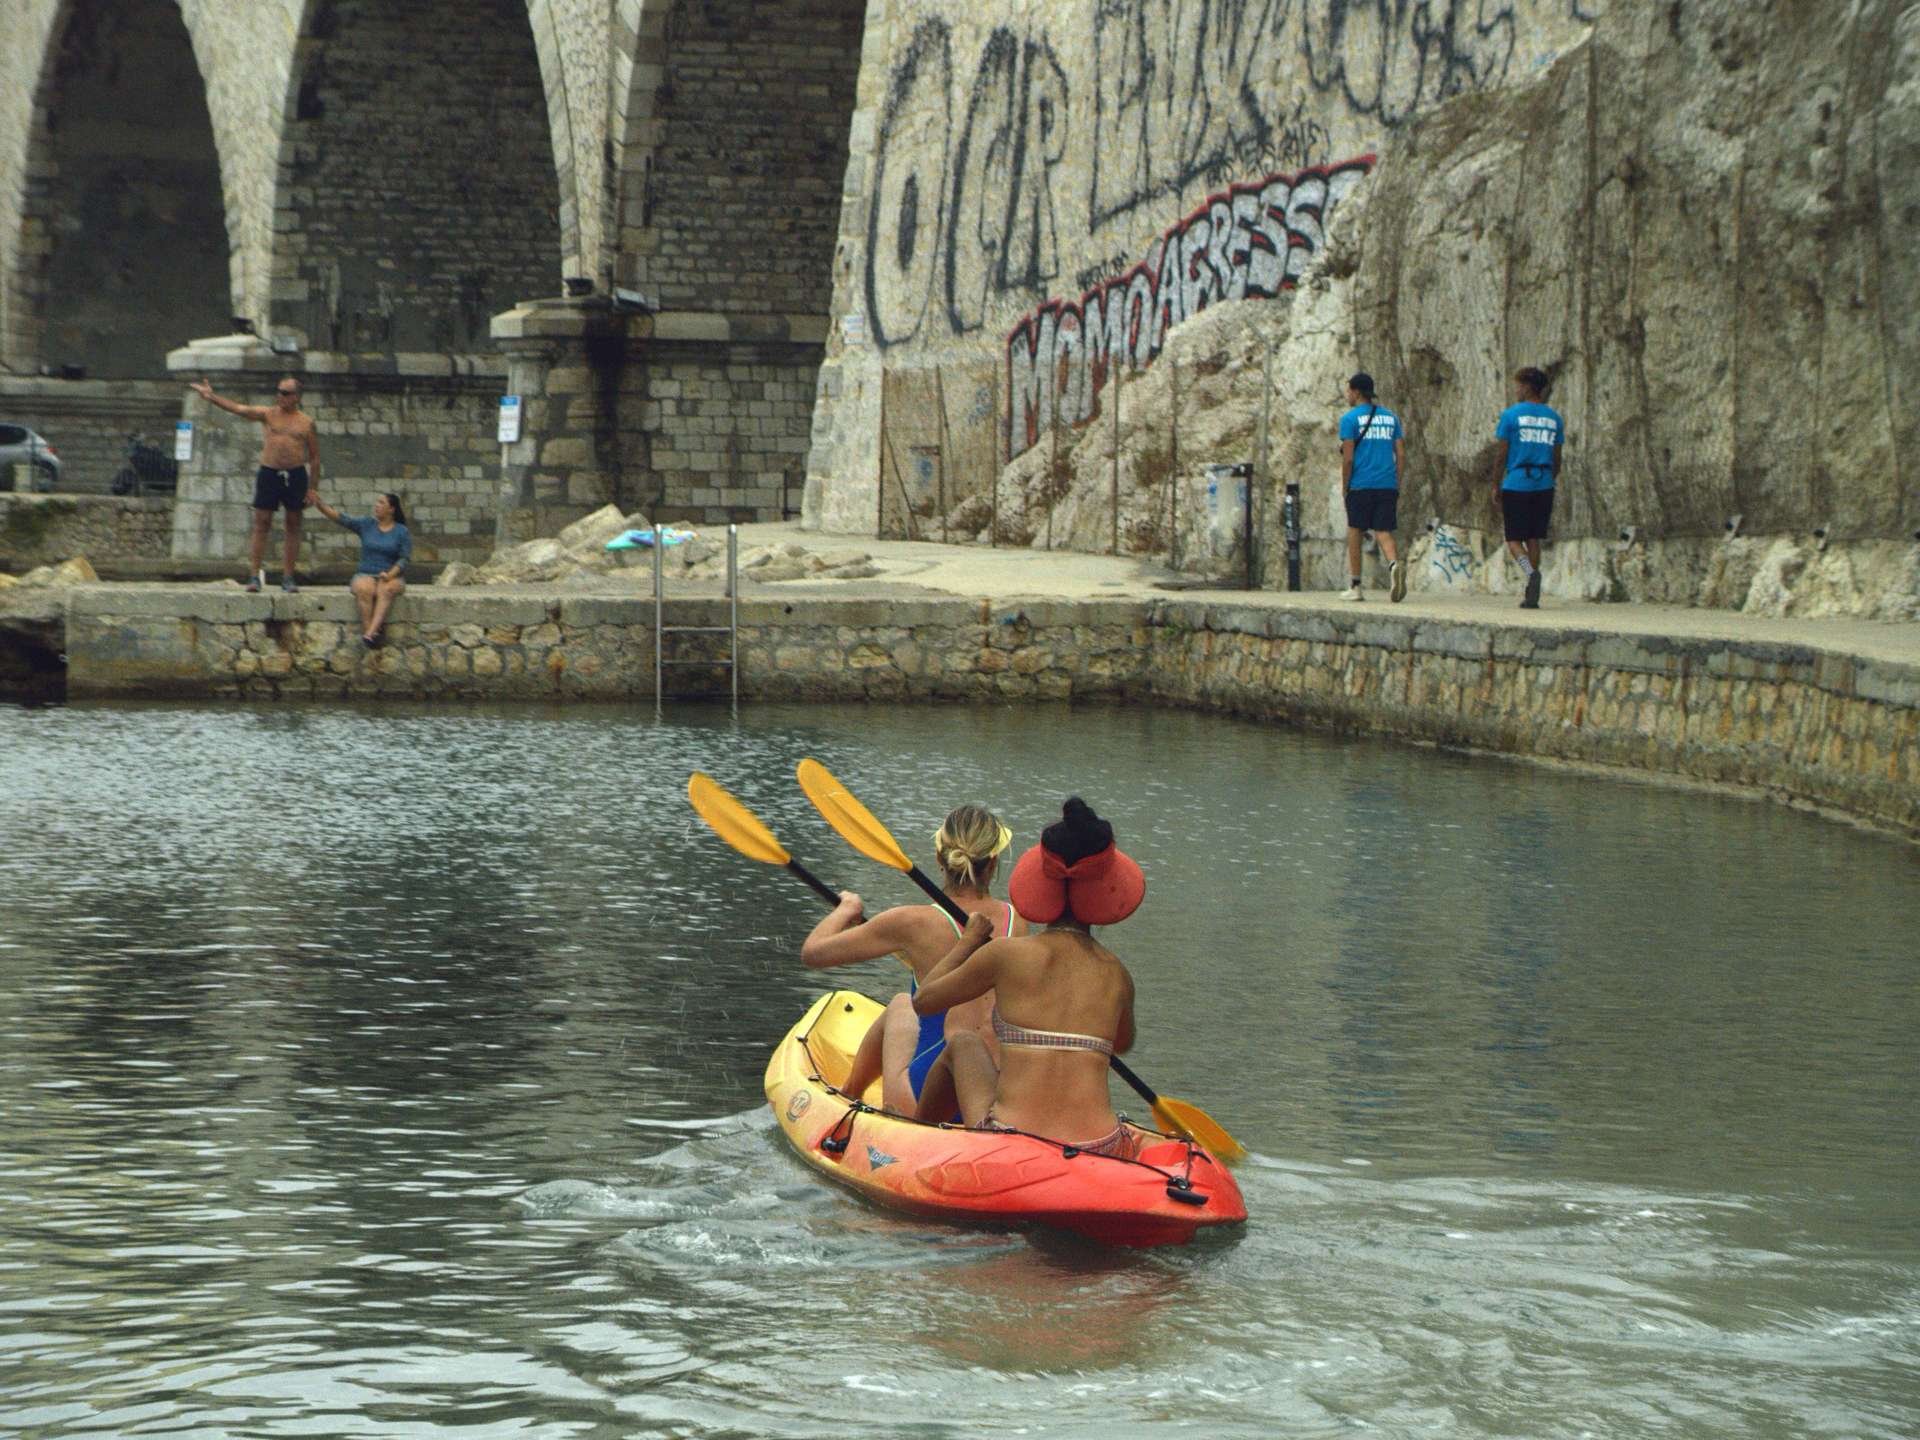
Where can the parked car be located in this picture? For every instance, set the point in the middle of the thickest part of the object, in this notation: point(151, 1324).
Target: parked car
point(21, 446)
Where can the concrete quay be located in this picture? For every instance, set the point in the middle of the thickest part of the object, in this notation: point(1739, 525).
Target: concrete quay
point(1824, 714)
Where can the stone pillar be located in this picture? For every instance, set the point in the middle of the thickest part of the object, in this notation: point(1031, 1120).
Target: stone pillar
point(210, 510)
point(682, 415)
point(569, 362)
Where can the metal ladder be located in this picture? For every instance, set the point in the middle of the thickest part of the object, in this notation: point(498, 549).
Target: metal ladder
point(661, 630)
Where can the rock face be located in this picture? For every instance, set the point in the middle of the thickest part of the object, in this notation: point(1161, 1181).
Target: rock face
point(1690, 221)
point(1697, 218)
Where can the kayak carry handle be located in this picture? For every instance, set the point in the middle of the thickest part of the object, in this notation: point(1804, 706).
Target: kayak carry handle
point(834, 1143)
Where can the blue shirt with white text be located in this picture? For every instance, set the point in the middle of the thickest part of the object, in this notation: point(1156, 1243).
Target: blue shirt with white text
point(1374, 429)
point(1533, 432)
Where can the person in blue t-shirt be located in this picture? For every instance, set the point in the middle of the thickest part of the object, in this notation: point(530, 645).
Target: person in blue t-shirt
point(385, 548)
point(1372, 443)
point(1526, 464)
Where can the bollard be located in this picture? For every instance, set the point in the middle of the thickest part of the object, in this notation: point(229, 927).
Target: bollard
point(1290, 519)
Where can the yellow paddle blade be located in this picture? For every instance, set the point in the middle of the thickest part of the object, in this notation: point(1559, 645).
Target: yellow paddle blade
point(1198, 1126)
point(852, 819)
point(733, 822)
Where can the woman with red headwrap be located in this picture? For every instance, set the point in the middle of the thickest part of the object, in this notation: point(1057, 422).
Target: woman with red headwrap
point(1063, 1002)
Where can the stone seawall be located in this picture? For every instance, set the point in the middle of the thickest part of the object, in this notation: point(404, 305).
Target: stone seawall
point(1804, 725)
point(47, 529)
point(1801, 723)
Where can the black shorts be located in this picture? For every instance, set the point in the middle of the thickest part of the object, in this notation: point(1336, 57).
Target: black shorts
point(1373, 510)
point(1527, 513)
point(274, 488)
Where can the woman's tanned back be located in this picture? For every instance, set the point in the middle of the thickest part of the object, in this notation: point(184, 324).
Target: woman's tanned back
point(1061, 980)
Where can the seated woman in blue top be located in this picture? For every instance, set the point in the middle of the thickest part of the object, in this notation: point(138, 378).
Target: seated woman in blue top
point(905, 1052)
point(385, 549)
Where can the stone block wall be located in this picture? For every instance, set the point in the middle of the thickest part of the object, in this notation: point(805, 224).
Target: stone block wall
point(422, 426)
point(48, 529)
point(700, 418)
point(741, 203)
point(419, 189)
point(1824, 729)
point(729, 441)
point(88, 421)
point(1803, 724)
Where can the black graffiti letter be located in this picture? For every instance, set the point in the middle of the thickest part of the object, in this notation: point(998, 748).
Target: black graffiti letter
point(983, 174)
point(904, 216)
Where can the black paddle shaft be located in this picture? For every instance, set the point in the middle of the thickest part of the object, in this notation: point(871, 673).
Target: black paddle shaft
point(832, 897)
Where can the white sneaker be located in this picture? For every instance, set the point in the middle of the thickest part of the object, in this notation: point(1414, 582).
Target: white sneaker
point(1399, 590)
point(1352, 594)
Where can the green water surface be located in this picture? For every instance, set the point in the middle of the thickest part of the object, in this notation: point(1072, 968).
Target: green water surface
point(396, 1072)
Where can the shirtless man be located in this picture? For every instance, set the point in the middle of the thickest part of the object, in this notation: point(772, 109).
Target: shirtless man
point(289, 467)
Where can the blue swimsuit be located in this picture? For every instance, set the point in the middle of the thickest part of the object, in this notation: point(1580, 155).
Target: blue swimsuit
point(933, 1028)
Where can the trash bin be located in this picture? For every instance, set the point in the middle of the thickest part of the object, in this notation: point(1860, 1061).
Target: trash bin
point(1219, 501)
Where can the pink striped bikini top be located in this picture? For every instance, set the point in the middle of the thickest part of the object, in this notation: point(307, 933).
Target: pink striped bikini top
point(1018, 1036)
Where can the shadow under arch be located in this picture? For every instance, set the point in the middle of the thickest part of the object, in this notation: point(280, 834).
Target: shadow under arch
point(729, 149)
point(123, 250)
point(417, 188)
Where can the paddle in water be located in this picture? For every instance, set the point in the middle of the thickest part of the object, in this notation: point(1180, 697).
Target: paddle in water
point(858, 827)
point(741, 829)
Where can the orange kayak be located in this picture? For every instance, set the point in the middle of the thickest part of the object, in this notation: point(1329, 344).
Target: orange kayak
point(1171, 1191)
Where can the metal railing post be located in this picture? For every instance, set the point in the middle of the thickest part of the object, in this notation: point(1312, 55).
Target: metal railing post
point(659, 637)
point(733, 608)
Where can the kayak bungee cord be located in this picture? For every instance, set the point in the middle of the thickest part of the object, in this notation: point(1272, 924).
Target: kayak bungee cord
point(1179, 1187)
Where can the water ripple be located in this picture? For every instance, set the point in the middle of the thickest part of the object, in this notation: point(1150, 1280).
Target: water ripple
point(397, 1072)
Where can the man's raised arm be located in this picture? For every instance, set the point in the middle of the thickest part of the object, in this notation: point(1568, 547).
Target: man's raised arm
point(245, 412)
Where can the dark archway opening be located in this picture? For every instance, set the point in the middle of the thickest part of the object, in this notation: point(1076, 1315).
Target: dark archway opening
point(419, 196)
point(132, 216)
point(744, 207)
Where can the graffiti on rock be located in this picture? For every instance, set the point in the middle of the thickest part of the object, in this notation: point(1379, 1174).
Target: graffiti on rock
point(909, 184)
point(968, 197)
point(963, 201)
point(1451, 560)
point(1389, 58)
point(1176, 95)
point(1003, 233)
point(1248, 242)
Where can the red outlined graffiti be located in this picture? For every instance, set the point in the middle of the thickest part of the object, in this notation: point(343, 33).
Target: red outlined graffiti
point(1248, 242)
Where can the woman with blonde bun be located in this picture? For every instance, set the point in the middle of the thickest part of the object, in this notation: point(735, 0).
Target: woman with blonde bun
point(905, 1052)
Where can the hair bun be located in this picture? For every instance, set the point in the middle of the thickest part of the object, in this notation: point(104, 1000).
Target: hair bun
point(1078, 833)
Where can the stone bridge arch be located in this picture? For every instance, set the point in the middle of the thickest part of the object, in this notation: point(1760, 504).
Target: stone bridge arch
point(121, 245)
point(690, 392)
point(114, 224)
point(418, 180)
point(417, 191)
